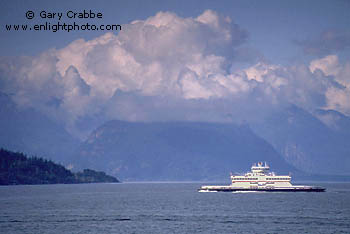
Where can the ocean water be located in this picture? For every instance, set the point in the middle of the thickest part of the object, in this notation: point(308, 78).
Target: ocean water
point(170, 208)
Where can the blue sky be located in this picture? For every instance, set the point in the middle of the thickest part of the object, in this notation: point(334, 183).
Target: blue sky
point(272, 25)
point(214, 61)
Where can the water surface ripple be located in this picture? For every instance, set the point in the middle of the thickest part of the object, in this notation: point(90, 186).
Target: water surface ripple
point(170, 208)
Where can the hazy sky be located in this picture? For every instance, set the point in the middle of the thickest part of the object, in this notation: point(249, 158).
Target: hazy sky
point(187, 60)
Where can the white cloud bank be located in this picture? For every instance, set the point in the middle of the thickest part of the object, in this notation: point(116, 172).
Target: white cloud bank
point(167, 68)
point(338, 96)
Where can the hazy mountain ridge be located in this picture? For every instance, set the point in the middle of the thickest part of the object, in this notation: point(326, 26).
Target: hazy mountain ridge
point(27, 130)
point(335, 120)
point(316, 143)
point(175, 150)
point(306, 142)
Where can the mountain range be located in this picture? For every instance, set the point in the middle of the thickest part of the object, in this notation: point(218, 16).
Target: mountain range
point(175, 150)
point(316, 143)
point(290, 140)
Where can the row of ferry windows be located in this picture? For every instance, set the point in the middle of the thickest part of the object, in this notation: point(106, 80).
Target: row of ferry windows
point(277, 178)
point(245, 179)
point(257, 179)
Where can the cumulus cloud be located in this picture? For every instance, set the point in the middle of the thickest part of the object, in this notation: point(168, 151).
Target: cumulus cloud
point(167, 68)
point(338, 94)
point(155, 54)
point(329, 65)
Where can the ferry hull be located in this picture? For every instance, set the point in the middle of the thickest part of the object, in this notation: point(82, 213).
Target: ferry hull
point(232, 189)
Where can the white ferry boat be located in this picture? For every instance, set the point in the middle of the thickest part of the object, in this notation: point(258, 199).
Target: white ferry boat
point(260, 179)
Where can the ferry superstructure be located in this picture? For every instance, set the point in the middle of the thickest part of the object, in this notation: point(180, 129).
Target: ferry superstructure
point(261, 179)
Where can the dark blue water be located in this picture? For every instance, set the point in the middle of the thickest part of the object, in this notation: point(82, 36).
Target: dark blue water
point(170, 208)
